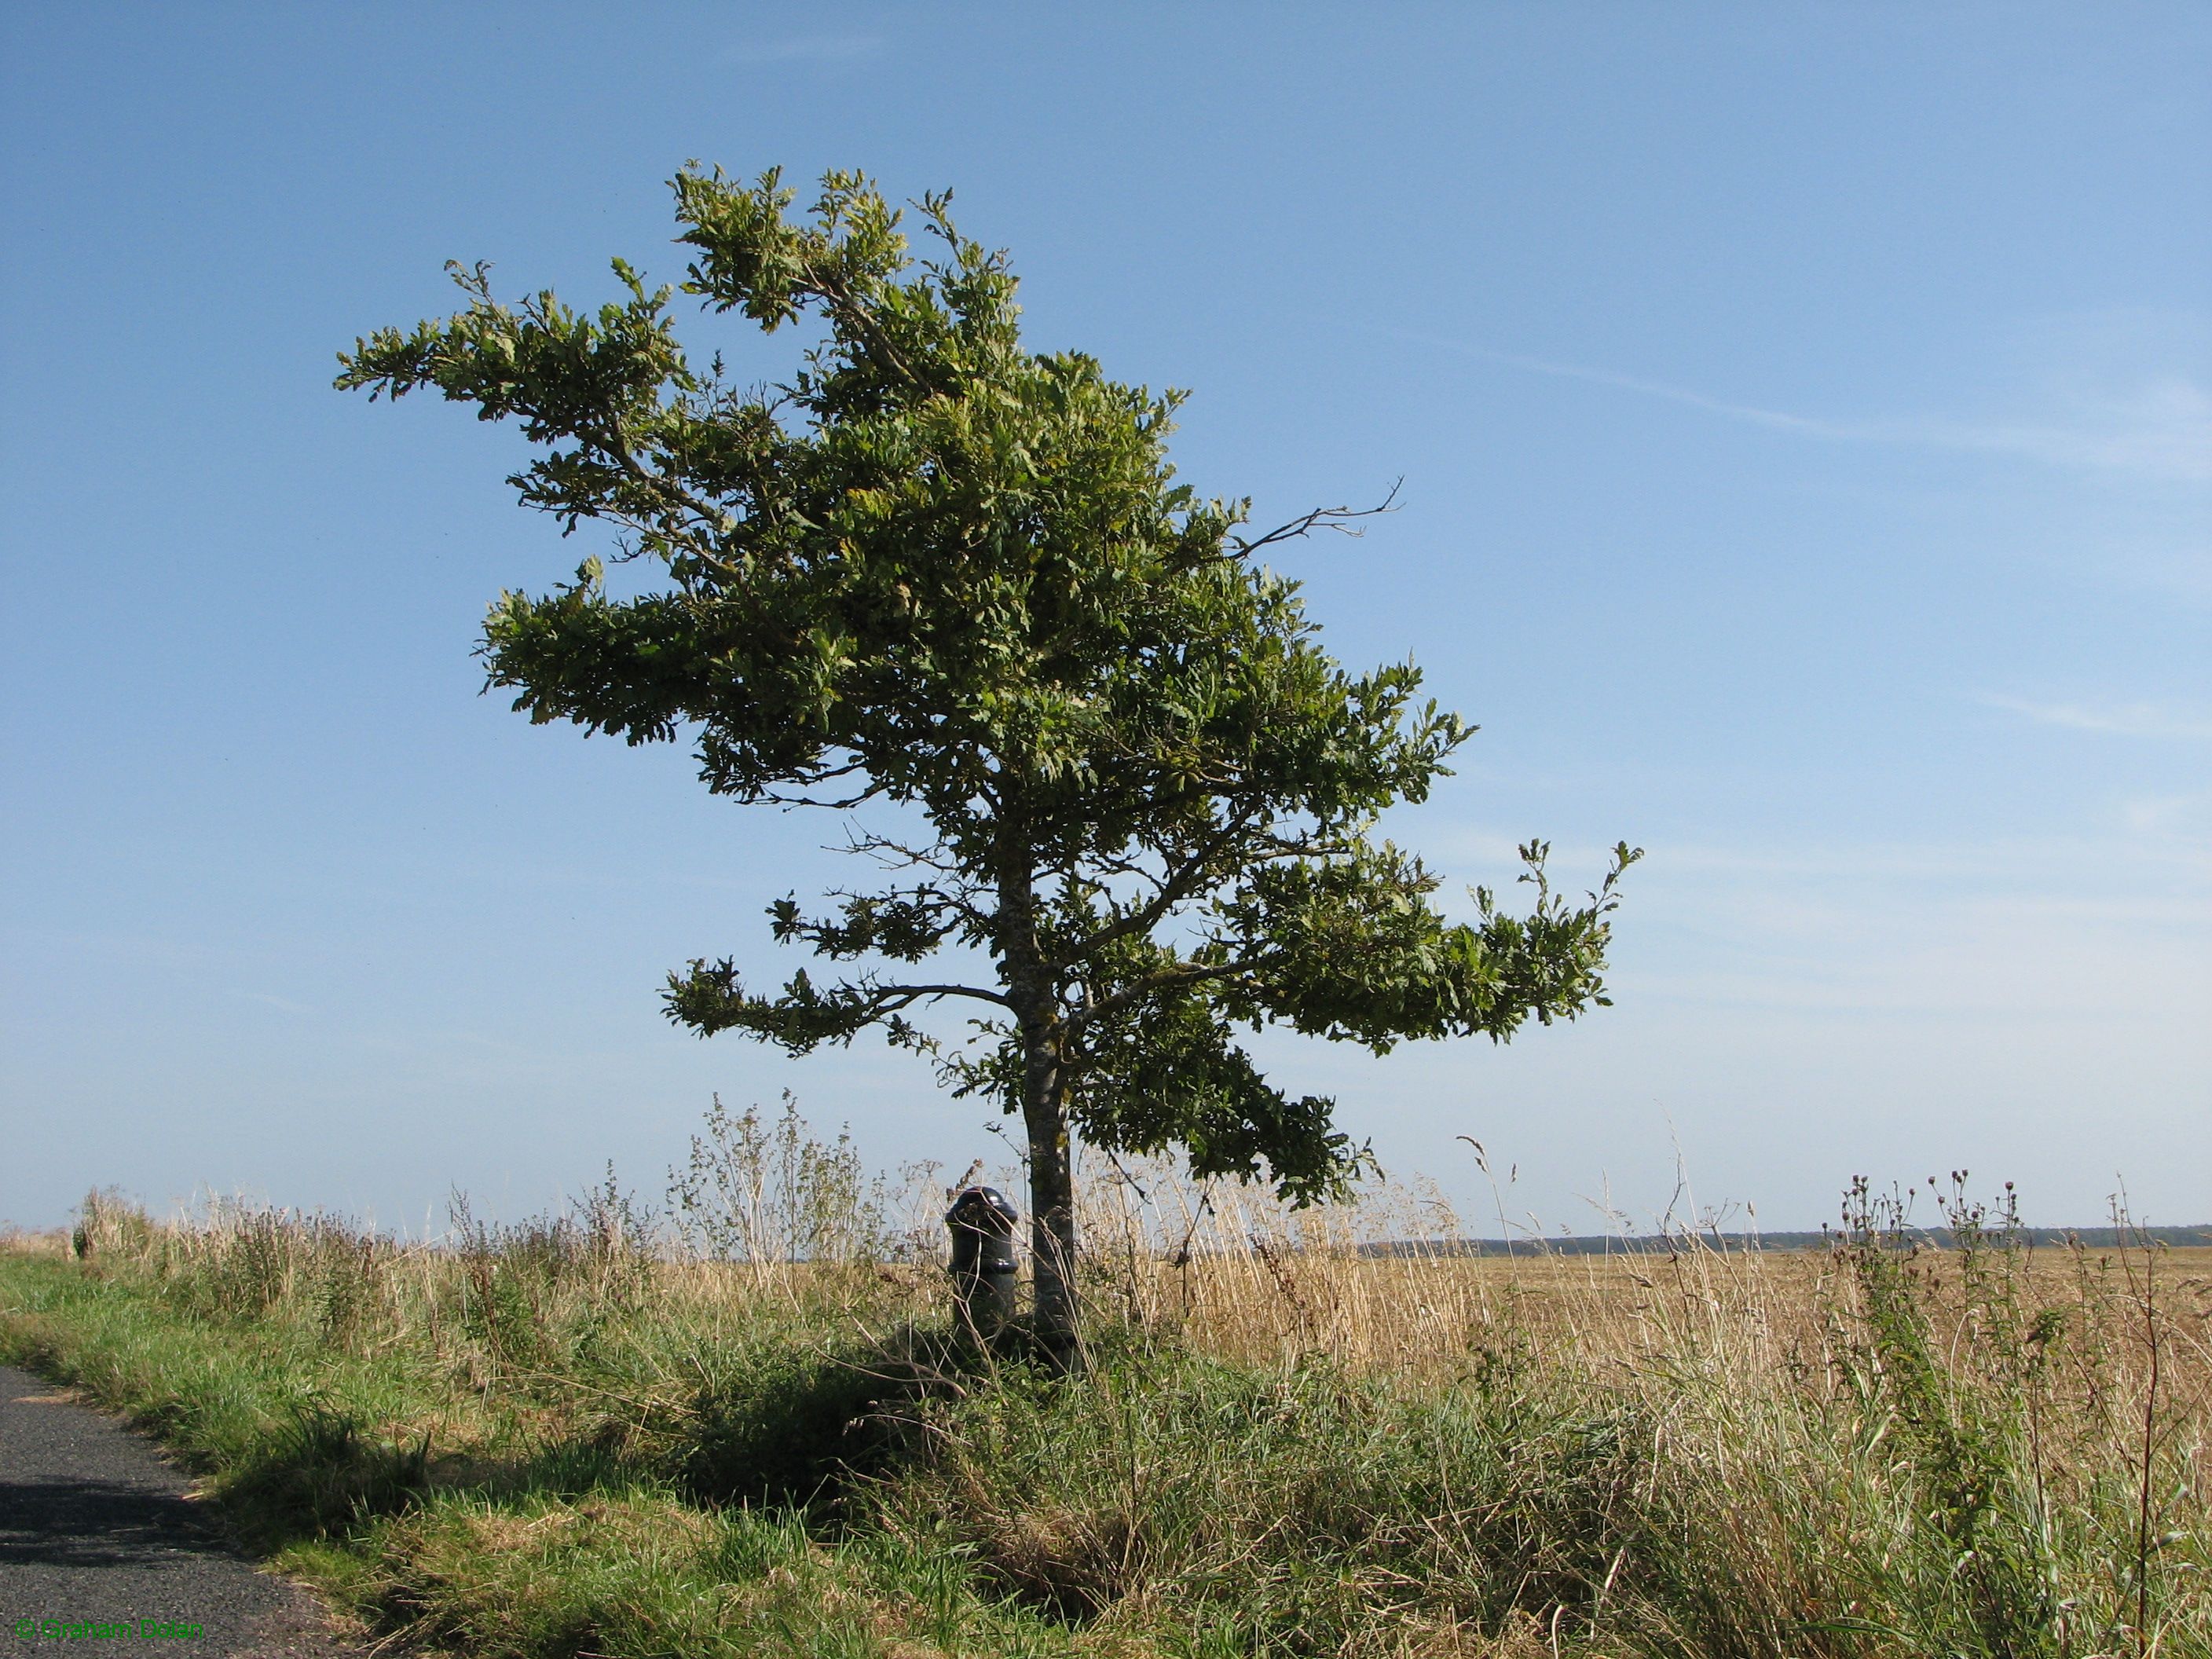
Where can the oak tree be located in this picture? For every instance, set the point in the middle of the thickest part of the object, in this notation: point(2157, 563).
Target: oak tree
point(939, 574)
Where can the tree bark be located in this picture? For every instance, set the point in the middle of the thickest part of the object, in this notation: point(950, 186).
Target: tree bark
point(1052, 1208)
point(1044, 1113)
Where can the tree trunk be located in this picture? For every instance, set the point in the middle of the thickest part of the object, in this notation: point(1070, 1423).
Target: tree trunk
point(1051, 1214)
point(1044, 1110)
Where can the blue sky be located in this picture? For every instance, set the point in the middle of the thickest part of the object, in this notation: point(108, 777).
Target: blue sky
point(1805, 417)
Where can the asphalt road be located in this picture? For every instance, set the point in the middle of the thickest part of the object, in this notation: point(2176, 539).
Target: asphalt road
point(96, 1530)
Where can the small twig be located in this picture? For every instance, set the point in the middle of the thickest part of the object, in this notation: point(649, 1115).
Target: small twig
point(1322, 518)
point(1128, 1180)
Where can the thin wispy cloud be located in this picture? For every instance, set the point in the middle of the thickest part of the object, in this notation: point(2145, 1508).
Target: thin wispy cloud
point(282, 1004)
point(805, 49)
point(2132, 720)
point(2147, 866)
point(2163, 429)
point(2172, 572)
point(2173, 817)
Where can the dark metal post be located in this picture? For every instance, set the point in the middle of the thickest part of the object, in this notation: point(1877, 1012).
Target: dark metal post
point(983, 1265)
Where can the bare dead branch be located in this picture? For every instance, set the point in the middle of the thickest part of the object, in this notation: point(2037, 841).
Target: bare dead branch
point(1342, 520)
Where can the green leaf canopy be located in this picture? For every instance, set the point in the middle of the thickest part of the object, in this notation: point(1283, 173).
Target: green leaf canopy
point(937, 569)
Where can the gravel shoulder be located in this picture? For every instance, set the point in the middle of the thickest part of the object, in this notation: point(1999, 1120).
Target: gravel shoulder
point(97, 1529)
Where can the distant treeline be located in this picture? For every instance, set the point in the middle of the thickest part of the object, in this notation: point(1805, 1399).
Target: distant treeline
point(2093, 1238)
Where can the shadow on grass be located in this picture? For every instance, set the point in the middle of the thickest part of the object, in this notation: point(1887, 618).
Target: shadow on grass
point(322, 1472)
point(767, 1426)
point(780, 1427)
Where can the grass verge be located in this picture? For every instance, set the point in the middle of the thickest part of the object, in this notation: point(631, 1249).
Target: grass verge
point(558, 1440)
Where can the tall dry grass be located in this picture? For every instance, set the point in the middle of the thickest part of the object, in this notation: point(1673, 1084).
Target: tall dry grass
point(1883, 1446)
point(1322, 1431)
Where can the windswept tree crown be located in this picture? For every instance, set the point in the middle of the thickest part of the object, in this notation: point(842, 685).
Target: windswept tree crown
point(936, 568)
